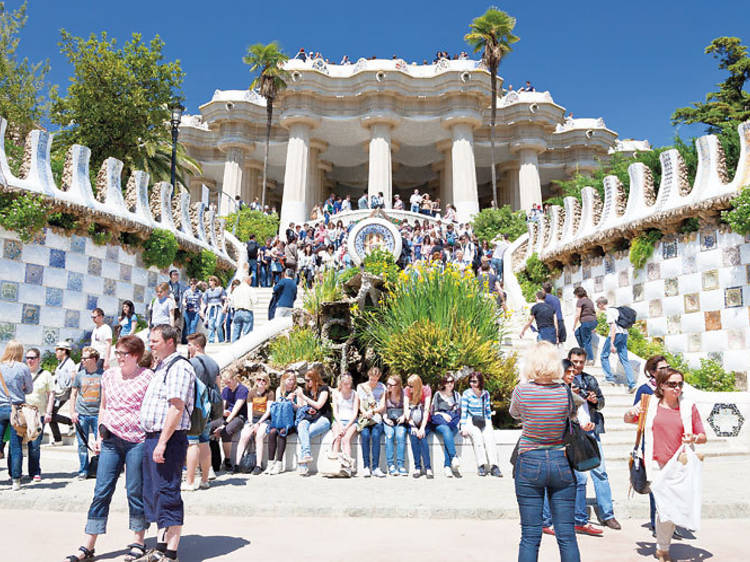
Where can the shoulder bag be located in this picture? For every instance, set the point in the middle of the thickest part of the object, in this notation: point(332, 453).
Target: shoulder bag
point(638, 480)
point(581, 448)
point(23, 417)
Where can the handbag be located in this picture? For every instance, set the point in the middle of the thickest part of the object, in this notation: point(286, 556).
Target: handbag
point(23, 417)
point(248, 462)
point(394, 413)
point(638, 480)
point(478, 421)
point(581, 448)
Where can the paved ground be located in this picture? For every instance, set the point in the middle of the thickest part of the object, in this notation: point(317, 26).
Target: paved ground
point(45, 535)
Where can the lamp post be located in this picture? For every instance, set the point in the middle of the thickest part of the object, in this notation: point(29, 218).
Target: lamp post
point(177, 110)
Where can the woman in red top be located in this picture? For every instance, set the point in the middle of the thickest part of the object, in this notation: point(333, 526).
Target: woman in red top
point(664, 434)
point(120, 444)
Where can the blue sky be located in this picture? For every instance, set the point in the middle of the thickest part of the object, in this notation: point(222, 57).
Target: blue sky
point(631, 63)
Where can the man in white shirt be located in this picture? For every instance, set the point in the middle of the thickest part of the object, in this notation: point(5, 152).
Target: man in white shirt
point(346, 204)
point(415, 201)
point(501, 244)
point(398, 205)
point(243, 300)
point(101, 336)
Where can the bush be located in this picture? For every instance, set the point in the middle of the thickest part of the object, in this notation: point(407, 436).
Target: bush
point(489, 223)
point(99, 234)
point(711, 376)
point(66, 221)
point(202, 265)
point(253, 222)
point(693, 224)
point(533, 276)
point(739, 216)
point(327, 289)
point(25, 214)
point(382, 263)
point(642, 247)
point(160, 248)
point(301, 344)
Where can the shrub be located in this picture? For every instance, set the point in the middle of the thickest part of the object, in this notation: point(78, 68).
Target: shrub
point(711, 376)
point(301, 344)
point(693, 224)
point(202, 265)
point(253, 222)
point(642, 247)
point(382, 263)
point(66, 221)
point(489, 223)
point(99, 234)
point(130, 239)
point(739, 215)
point(25, 214)
point(327, 289)
point(533, 276)
point(160, 248)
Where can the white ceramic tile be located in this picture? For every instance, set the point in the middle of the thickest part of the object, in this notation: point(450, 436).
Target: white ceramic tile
point(712, 300)
point(92, 250)
point(623, 296)
point(74, 300)
point(31, 294)
point(127, 258)
point(52, 316)
point(93, 285)
point(736, 360)
point(671, 306)
point(28, 334)
point(78, 263)
point(55, 277)
point(657, 326)
point(732, 276)
point(56, 241)
point(12, 270)
point(690, 283)
point(110, 270)
point(670, 268)
point(34, 253)
point(734, 318)
point(10, 312)
point(676, 343)
point(709, 260)
point(695, 322)
point(140, 276)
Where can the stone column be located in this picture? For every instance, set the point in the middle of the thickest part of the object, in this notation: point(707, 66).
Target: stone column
point(296, 173)
point(251, 177)
point(325, 186)
point(231, 185)
point(313, 191)
point(509, 192)
point(464, 173)
point(380, 174)
point(529, 185)
point(445, 170)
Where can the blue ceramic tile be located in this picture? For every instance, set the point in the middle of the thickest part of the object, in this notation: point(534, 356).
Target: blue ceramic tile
point(110, 287)
point(75, 281)
point(72, 318)
point(30, 314)
point(126, 272)
point(113, 253)
point(7, 331)
point(139, 293)
point(53, 297)
point(91, 302)
point(57, 258)
point(78, 244)
point(95, 266)
point(669, 250)
point(153, 279)
point(12, 251)
point(34, 274)
point(50, 336)
point(9, 291)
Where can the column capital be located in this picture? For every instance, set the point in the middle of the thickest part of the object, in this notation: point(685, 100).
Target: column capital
point(538, 145)
point(395, 147)
point(325, 165)
point(474, 120)
point(233, 145)
point(287, 121)
point(369, 121)
point(444, 145)
point(254, 165)
point(509, 166)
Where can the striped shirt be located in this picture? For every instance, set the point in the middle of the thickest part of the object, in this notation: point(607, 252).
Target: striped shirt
point(473, 405)
point(179, 383)
point(543, 409)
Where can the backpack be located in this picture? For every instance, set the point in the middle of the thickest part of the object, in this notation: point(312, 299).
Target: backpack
point(282, 415)
point(626, 317)
point(214, 396)
point(201, 413)
point(252, 250)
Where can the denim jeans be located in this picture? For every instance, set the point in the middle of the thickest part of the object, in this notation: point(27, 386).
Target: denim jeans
point(621, 346)
point(601, 487)
point(242, 324)
point(117, 453)
point(15, 452)
point(583, 337)
point(497, 265)
point(395, 433)
point(252, 271)
point(420, 449)
point(538, 472)
point(369, 437)
point(449, 441)
point(213, 323)
point(35, 450)
point(191, 322)
point(88, 424)
point(307, 430)
point(547, 333)
point(581, 515)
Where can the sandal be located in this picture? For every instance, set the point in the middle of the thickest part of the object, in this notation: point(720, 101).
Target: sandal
point(135, 551)
point(87, 555)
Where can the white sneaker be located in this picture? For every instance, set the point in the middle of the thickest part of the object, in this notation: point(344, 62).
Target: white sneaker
point(377, 473)
point(366, 472)
point(429, 474)
point(455, 467)
point(16, 485)
point(269, 467)
point(204, 485)
point(211, 474)
point(189, 487)
point(448, 472)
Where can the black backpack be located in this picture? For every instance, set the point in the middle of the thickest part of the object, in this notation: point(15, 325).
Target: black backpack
point(626, 318)
point(252, 250)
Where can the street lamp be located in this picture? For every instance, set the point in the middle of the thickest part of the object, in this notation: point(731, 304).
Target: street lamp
point(177, 110)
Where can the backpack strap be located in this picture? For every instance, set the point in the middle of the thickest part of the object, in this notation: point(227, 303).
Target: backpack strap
point(645, 399)
point(5, 387)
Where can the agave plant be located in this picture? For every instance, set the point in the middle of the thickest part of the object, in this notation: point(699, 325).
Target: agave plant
point(299, 345)
point(327, 289)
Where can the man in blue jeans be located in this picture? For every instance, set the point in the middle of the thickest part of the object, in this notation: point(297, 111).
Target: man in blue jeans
point(617, 341)
point(85, 397)
point(243, 301)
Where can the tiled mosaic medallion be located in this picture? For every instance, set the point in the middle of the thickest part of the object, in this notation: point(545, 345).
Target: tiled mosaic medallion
point(75, 281)
point(53, 296)
point(126, 272)
point(95, 266)
point(730, 256)
point(692, 302)
point(733, 297)
point(652, 271)
point(113, 253)
point(9, 291)
point(30, 314)
point(50, 336)
point(689, 264)
point(72, 318)
point(713, 320)
point(12, 250)
point(671, 287)
point(654, 308)
point(710, 280)
point(110, 287)
point(91, 302)
point(57, 258)
point(708, 240)
point(7, 331)
point(78, 244)
point(669, 249)
point(638, 292)
point(717, 356)
point(726, 420)
point(34, 274)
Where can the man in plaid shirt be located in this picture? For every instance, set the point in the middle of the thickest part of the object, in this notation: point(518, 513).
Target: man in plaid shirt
point(165, 417)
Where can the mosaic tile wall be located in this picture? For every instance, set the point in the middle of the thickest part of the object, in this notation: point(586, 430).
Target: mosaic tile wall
point(48, 287)
point(694, 293)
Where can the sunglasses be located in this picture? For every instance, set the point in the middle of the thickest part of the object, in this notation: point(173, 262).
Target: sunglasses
point(473, 381)
point(122, 353)
point(674, 384)
point(391, 384)
point(31, 358)
point(87, 357)
point(448, 381)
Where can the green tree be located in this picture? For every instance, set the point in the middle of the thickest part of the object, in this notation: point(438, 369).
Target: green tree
point(23, 89)
point(491, 222)
point(725, 109)
point(118, 101)
point(267, 61)
point(253, 222)
point(492, 33)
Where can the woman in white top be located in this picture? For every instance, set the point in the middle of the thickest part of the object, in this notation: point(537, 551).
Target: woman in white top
point(345, 409)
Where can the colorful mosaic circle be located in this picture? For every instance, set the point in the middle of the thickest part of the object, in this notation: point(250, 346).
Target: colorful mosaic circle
point(371, 234)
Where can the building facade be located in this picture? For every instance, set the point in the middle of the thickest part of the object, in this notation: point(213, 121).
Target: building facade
point(388, 126)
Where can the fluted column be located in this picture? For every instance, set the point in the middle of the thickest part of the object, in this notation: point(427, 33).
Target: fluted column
point(314, 187)
point(463, 166)
point(231, 184)
point(295, 174)
point(380, 173)
point(529, 184)
point(509, 191)
point(445, 171)
point(251, 178)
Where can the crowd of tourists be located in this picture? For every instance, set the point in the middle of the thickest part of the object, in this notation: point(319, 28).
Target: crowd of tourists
point(311, 54)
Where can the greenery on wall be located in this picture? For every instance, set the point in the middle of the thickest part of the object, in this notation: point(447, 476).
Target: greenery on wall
point(301, 344)
point(253, 222)
point(160, 248)
point(642, 247)
point(201, 265)
point(738, 216)
point(490, 223)
point(533, 276)
point(24, 213)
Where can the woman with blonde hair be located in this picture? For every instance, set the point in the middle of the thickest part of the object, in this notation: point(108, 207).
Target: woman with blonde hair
point(542, 404)
point(371, 409)
point(418, 397)
point(345, 408)
point(259, 399)
point(213, 302)
point(317, 416)
point(287, 392)
point(16, 384)
point(394, 426)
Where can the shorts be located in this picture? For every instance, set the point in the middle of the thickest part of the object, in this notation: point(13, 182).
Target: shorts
point(202, 438)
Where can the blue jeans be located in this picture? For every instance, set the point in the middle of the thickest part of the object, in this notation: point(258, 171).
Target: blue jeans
point(35, 450)
point(15, 453)
point(213, 323)
point(420, 450)
point(191, 322)
point(621, 346)
point(88, 424)
point(449, 441)
point(601, 487)
point(252, 270)
point(581, 515)
point(398, 434)
point(583, 337)
point(538, 472)
point(547, 333)
point(242, 324)
point(307, 430)
point(497, 265)
point(117, 453)
point(371, 435)
point(414, 208)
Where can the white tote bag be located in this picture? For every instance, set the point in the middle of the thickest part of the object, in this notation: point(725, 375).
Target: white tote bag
point(677, 489)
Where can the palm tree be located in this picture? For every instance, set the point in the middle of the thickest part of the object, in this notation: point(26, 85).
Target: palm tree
point(267, 61)
point(492, 34)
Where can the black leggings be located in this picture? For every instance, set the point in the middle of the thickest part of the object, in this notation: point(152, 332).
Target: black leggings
point(57, 418)
point(276, 444)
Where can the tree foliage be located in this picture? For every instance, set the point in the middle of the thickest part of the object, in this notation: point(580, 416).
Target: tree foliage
point(738, 216)
point(118, 102)
point(23, 89)
point(250, 222)
point(490, 223)
point(160, 249)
